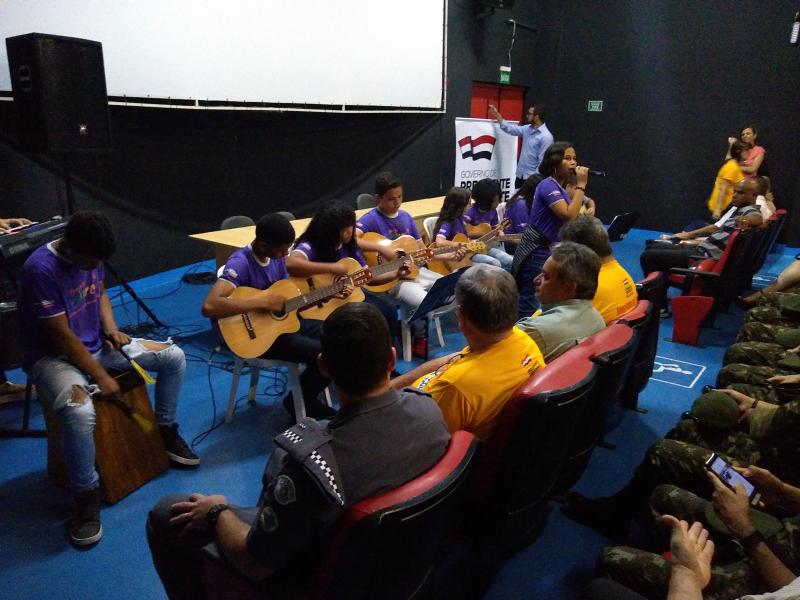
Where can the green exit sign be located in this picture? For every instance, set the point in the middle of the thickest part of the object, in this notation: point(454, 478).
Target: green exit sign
point(595, 106)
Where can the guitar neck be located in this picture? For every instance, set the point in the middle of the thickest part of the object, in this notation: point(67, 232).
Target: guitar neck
point(314, 297)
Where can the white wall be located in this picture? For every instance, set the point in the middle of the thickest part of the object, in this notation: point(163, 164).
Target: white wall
point(378, 52)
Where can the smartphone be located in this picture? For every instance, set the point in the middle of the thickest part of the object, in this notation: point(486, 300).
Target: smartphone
point(730, 477)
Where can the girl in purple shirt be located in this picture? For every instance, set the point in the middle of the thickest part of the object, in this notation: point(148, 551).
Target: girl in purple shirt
point(551, 207)
point(330, 236)
point(451, 216)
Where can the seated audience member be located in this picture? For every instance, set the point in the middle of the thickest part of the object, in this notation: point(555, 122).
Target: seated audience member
point(379, 439)
point(768, 559)
point(616, 292)
point(259, 265)
point(729, 173)
point(764, 200)
point(565, 289)
point(72, 338)
point(330, 236)
point(741, 429)
point(662, 256)
point(390, 221)
point(689, 571)
point(486, 197)
point(787, 280)
point(472, 386)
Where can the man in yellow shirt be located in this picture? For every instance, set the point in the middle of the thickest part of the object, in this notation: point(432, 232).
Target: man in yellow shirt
point(472, 386)
point(616, 291)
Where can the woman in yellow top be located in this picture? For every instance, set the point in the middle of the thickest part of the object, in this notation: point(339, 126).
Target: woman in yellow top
point(729, 174)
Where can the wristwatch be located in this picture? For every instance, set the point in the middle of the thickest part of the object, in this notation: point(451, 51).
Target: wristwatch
point(212, 516)
point(752, 540)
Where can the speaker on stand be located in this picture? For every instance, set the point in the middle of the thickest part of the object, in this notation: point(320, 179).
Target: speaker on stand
point(59, 88)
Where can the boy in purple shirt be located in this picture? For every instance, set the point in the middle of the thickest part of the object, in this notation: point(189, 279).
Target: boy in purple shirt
point(390, 221)
point(258, 266)
point(72, 338)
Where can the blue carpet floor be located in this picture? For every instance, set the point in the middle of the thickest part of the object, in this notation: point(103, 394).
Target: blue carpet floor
point(39, 563)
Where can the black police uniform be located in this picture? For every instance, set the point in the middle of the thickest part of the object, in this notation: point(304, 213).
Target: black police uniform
point(316, 471)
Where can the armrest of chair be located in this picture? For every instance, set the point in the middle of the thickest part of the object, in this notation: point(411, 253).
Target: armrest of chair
point(693, 272)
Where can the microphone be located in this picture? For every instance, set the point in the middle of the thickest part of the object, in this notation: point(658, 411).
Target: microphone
point(597, 173)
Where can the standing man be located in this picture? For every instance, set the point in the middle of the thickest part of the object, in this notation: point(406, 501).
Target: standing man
point(71, 339)
point(536, 138)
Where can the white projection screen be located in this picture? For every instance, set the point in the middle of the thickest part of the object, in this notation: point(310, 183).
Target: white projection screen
point(387, 53)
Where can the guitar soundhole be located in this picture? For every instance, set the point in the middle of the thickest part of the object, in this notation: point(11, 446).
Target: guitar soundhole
point(279, 316)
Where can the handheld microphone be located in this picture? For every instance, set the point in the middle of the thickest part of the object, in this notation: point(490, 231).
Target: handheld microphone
point(597, 173)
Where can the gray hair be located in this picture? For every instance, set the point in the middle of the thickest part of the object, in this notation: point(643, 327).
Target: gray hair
point(588, 231)
point(579, 264)
point(487, 296)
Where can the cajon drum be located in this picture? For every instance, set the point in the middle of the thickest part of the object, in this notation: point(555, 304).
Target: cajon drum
point(127, 455)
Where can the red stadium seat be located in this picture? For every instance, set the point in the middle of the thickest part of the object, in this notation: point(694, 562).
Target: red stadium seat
point(645, 321)
point(520, 464)
point(611, 350)
point(384, 546)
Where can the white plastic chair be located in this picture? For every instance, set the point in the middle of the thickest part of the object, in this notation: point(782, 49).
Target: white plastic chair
point(405, 328)
point(428, 224)
point(256, 364)
point(501, 210)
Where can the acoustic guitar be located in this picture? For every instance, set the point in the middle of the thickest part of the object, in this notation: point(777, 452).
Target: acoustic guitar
point(413, 250)
point(252, 333)
point(445, 267)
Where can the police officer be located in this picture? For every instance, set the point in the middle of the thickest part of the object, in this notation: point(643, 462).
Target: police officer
point(379, 439)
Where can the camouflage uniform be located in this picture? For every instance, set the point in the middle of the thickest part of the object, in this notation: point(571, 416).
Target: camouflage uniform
point(649, 573)
point(756, 331)
point(754, 353)
point(768, 310)
point(752, 381)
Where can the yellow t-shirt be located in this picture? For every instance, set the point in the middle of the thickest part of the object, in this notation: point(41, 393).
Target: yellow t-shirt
point(472, 389)
point(616, 292)
point(730, 172)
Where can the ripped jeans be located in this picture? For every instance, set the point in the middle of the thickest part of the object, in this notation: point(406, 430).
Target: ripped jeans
point(55, 380)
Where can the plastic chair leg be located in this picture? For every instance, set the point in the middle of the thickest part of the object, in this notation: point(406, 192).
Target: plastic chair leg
point(437, 323)
point(293, 376)
point(237, 373)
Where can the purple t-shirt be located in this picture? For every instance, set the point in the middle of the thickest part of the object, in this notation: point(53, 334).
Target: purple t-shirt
point(518, 215)
point(50, 285)
point(343, 252)
point(449, 230)
point(243, 268)
point(547, 193)
point(391, 228)
point(473, 215)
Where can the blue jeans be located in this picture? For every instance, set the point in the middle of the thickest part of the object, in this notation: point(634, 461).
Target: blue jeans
point(528, 271)
point(55, 380)
point(495, 257)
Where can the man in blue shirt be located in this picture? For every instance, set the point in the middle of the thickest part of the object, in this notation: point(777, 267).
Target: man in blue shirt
point(536, 138)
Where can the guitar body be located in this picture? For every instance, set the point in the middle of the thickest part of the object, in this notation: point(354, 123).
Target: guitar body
point(320, 312)
point(406, 243)
point(445, 267)
point(251, 334)
point(476, 231)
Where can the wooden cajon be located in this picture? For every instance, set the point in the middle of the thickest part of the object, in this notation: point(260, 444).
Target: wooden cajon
point(127, 455)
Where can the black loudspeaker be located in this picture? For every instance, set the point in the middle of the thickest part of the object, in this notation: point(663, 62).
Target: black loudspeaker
point(59, 86)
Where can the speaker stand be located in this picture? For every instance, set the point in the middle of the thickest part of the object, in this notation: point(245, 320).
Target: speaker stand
point(126, 286)
point(68, 183)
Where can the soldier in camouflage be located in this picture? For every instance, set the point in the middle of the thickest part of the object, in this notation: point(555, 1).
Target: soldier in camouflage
point(649, 573)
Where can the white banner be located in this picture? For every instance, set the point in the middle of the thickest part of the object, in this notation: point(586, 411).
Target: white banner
point(484, 150)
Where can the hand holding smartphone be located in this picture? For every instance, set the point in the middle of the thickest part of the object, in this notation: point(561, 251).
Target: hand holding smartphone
point(728, 475)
